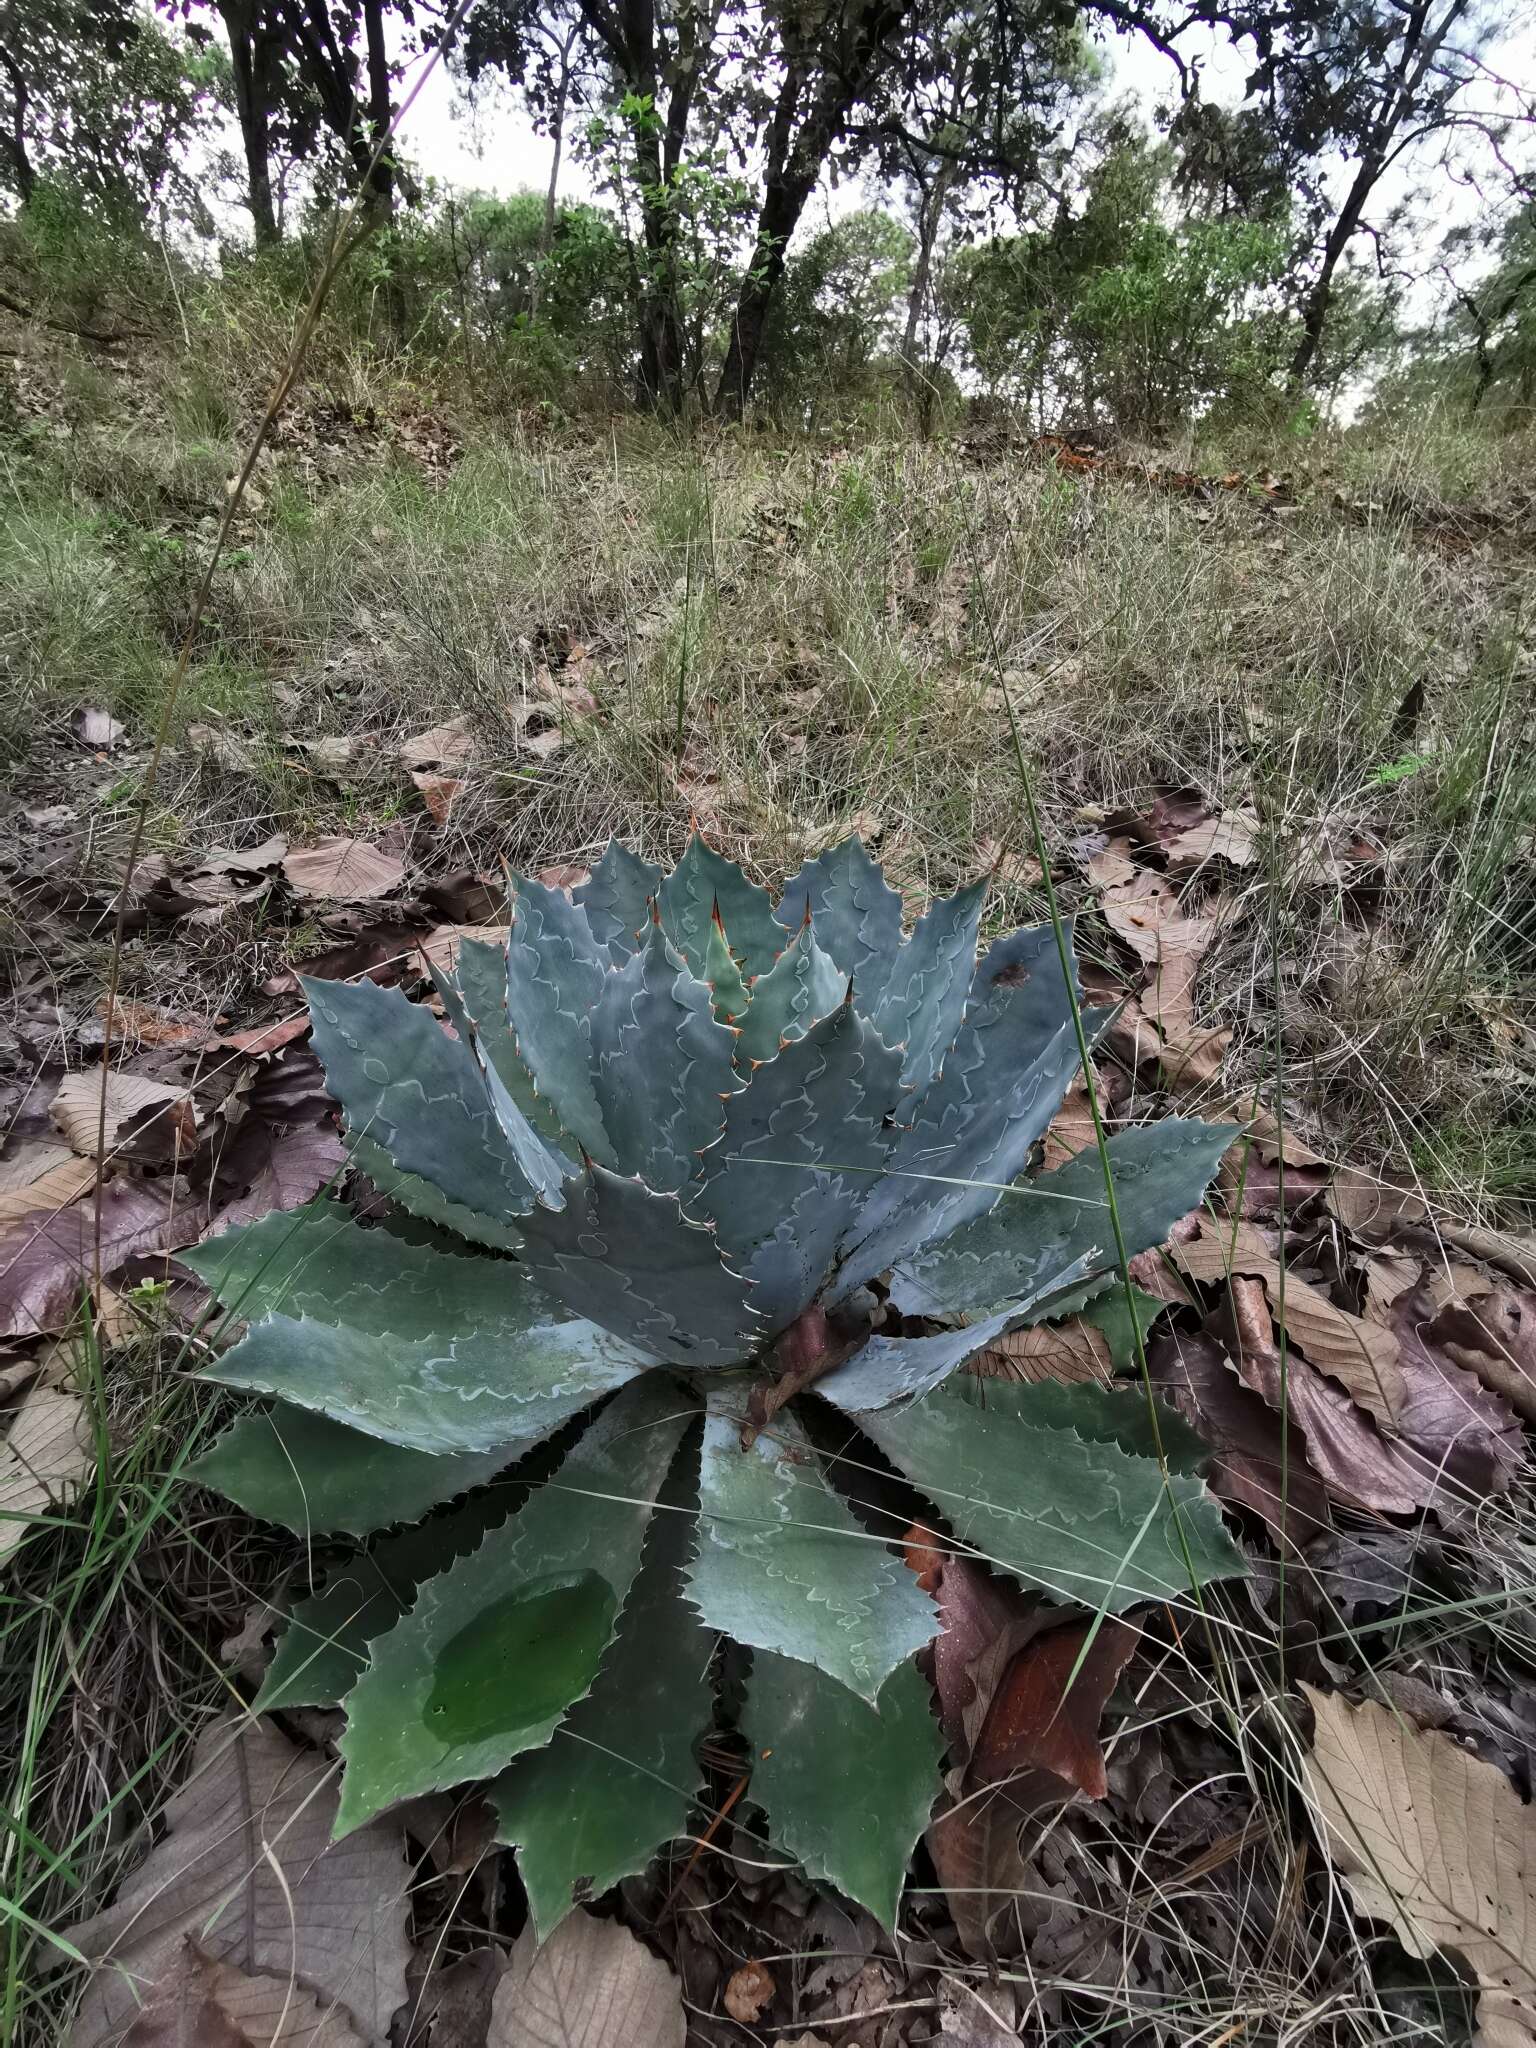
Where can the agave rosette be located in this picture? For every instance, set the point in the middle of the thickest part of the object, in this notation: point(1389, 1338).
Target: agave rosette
point(684, 1129)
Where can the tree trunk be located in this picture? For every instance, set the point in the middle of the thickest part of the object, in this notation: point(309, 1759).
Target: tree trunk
point(1314, 311)
point(783, 203)
point(1420, 46)
point(253, 113)
point(552, 195)
point(381, 182)
point(15, 138)
point(661, 323)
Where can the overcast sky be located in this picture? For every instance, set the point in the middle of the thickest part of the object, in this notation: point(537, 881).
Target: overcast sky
point(492, 146)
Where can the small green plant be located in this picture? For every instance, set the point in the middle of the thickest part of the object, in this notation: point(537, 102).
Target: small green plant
point(714, 1151)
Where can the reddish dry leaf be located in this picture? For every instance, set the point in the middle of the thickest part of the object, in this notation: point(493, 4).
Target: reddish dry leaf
point(564, 875)
point(975, 1848)
point(1446, 1412)
point(1243, 1435)
point(1360, 1355)
point(749, 1992)
point(1495, 1338)
point(342, 871)
point(264, 1039)
point(974, 1610)
point(1358, 1466)
point(1250, 1173)
point(1042, 1717)
point(439, 793)
point(145, 1023)
point(46, 1262)
point(275, 1166)
point(1171, 813)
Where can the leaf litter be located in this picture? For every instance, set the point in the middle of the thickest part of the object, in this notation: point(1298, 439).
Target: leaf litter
point(1406, 1374)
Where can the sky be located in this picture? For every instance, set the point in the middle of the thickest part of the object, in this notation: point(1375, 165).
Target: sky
point(492, 146)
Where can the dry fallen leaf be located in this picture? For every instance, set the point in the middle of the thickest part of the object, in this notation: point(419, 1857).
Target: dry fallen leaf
point(441, 944)
point(94, 727)
point(1358, 1465)
point(133, 1104)
point(1243, 1433)
point(1074, 1352)
point(749, 1992)
point(443, 746)
point(1436, 1842)
point(47, 1258)
point(250, 860)
point(247, 1867)
point(1231, 837)
point(342, 871)
point(438, 792)
point(1362, 1356)
point(145, 1023)
point(591, 1985)
point(46, 1453)
point(203, 2003)
point(42, 1177)
point(1494, 1337)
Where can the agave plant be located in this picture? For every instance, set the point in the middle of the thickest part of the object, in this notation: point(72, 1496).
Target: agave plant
point(741, 1185)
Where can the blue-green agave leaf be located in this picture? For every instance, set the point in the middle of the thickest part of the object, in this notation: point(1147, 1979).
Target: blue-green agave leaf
point(511, 1381)
point(323, 1650)
point(1078, 1520)
point(316, 1476)
point(421, 1098)
point(925, 998)
point(784, 1565)
point(889, 1369)
point(621, 1774)
point(421, 1199)
point(661, 1065)
point(847, 1787)
point(1045, 1226)
point(479, 983)
point(972, 1132)
point(639, 1267)
point(702, 881)
point(813, 1121)
point(803, 985)
point(1103, 1415)
point(855, 915)
point(723, 977)
point(417, 1346)
point(555, 973)
point(499, 1646)
point(617, 898)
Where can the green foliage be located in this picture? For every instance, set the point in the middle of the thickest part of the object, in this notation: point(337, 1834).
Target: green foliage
point(698, 1207)
point(830, 336)
point(1113, 314)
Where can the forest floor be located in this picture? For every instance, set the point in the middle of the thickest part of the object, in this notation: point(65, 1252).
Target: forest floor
point(1277, 711)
